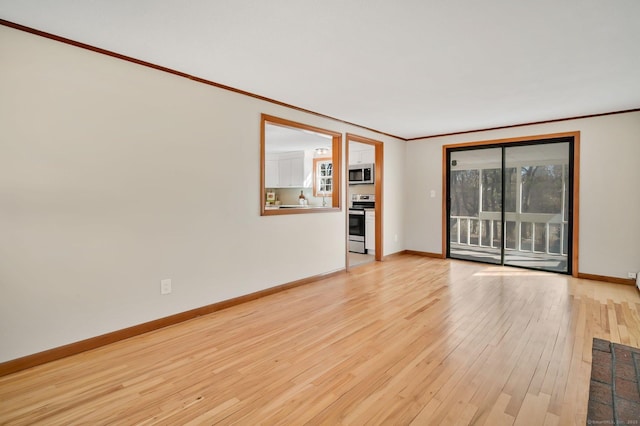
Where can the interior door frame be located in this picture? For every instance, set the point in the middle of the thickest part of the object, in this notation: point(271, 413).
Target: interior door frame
point(575, 177)
point(377, 179)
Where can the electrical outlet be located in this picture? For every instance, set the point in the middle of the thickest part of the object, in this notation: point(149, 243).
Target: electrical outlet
point(165, 286)
point(395, 238)
point(633, 275)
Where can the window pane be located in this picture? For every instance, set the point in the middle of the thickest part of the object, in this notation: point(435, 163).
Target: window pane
point(454, 231)
point(474, 202)
point(542, 189)
point(554, 238)
point(485, 234)
point(510, 241)
point(464, 193)
point(475, 231)
point(497, 234)
point(526, 230)
point(566, 193)
point(491, 193)
point(464, 231)
point(540, 238)
point(510, 189)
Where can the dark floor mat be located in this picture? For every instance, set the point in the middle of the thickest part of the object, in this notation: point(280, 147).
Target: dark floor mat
point(614, 392)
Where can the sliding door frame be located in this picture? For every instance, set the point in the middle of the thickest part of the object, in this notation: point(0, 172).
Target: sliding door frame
point(575, 177)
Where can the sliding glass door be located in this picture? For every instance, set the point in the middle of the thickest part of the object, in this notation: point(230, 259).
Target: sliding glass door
point(511, 204)
point(537, 220)
point(475, 208)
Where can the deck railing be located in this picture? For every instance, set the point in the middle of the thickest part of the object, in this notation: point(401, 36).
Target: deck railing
point(525, 232)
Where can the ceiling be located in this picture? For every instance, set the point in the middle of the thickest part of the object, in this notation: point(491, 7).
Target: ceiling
point(410, 68)
point(279, 139)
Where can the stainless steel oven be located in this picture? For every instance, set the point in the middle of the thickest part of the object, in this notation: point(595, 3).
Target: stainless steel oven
point(356, 231)
point(357, 235)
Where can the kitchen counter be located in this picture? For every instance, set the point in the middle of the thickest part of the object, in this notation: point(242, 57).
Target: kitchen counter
point(295, 206)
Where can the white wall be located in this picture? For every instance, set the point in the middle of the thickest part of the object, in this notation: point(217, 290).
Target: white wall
point(609, 242)
point(114, 176)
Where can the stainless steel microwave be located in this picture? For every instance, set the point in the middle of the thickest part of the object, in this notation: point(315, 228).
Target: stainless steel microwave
point(360, 174)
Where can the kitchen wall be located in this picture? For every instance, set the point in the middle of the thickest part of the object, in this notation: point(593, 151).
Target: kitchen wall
point(114, 176)
point(609, 194)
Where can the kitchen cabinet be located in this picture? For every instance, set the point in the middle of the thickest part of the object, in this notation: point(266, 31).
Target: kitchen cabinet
point(286, 170)
point(370, 231)
point(364, 156)
point(271, 173)
point(291, 172)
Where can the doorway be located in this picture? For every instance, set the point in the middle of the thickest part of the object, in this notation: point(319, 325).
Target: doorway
point(513, 203)
point(364, 161)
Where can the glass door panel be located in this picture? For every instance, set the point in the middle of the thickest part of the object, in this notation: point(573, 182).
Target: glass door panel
point(475, 205)
point(536, 200)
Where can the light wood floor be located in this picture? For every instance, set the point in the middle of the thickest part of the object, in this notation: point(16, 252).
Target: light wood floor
point(410, 340)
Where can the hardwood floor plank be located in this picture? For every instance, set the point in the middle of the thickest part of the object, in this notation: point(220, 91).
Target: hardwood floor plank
point(533, 410)
point(497, 416)
point(552, 420)
point(412, 340)
point(613, 322)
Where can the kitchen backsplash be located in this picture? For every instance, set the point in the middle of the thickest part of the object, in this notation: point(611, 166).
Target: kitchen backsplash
point(290, 195)
point(359, 189)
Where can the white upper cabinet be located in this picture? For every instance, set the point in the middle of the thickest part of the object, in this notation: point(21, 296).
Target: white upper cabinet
point(362, 154)
point(271, 172)
point(288, 170)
